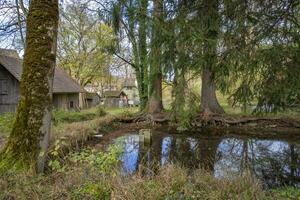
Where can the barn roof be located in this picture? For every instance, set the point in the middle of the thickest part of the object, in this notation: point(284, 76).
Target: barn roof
point(62, 83)
point(113, 93)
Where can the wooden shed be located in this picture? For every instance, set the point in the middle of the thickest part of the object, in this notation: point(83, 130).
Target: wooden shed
point(65, 89)
point(115, 99)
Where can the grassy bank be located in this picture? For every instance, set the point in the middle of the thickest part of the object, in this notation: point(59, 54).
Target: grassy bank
point(92, 174)
point(63, 118)
point(74, 173)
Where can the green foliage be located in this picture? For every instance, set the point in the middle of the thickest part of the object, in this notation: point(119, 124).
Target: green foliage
point(90, 190)
point(286, 193)
point(103, 162)
point(83, 44)
point(190, 112)
point(100, 112)
point(61, 116)
point(56, 162)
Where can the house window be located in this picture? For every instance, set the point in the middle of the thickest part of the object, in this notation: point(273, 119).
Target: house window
point(71, 104)
point(3, 87)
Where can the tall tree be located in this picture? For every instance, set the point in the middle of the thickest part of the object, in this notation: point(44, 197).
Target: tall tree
point(83, 44)
point(130, 20)
point(210, 25)
point(155, 78)
point(28, 142)
point(142, 74)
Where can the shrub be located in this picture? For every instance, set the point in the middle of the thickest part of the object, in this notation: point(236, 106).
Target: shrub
point(61, 116)
point(100, 112)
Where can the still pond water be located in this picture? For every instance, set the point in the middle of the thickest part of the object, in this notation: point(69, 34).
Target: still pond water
point(276, 162)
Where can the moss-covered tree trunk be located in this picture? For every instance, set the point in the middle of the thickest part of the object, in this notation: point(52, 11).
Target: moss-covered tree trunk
point(142, 45)
point(155, 79)
point(28, 142)
point(210, 27)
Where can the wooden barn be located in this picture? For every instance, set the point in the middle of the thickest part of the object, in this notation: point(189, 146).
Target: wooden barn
point(115, 99)
point(65, 89)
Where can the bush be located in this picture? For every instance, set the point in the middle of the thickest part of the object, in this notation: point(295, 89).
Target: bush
point(60, 116)
point(100, 112)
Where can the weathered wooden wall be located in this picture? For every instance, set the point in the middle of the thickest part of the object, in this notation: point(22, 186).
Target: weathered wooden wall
point(62, 100)
point(9, 91)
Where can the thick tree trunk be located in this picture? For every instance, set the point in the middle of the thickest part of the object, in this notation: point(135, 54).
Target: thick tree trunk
point(210, 22)
point(209, 101)
point(28, 142)
point(155, 102)
point(155, 80)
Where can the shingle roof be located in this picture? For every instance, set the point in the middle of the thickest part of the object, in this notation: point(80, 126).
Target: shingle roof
point(13, 65)
point(62, 83)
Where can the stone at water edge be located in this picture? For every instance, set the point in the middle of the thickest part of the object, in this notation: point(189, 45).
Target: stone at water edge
point(98, 136)
point(145, 136)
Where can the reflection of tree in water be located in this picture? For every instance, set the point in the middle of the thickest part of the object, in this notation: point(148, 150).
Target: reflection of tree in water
point(278, 168)
point(275, 163)
point(184, 151)
point(207, 152)
point(193, 152)
point(149, 155)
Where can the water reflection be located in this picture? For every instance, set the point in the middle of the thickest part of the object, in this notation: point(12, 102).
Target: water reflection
point(275, 162)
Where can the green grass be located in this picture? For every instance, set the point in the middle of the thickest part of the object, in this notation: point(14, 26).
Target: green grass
point(117, 111)
point(6, 123)
point(91, 174)
point(62, 117)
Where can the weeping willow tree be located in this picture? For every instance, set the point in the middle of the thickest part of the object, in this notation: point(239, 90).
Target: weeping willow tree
point(28, 142)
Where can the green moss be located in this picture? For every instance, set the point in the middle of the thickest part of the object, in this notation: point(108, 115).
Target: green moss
point(22, 148)
point(6, 123)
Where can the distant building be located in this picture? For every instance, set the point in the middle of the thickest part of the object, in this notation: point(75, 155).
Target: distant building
point(131, 90)
point(92, 99)
point(65, 89)
point(115, 99)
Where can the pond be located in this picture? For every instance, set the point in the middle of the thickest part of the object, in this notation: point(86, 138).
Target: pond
point(275, 162)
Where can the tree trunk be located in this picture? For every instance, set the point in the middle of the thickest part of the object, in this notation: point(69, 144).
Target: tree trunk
point(209, 102)
point(210, 24)
point(155, 80)
point(142, 46)
point(179, 94)
point(28, 142)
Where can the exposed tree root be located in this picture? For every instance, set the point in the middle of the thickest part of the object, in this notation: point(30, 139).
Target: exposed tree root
point(211, 119)
point(157, 118)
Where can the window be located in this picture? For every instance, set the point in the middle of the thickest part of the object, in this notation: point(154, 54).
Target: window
point(3, 87)
point(71, 104)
